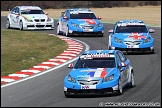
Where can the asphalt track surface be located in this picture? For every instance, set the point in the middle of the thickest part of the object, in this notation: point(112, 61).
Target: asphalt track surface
point(47, 90)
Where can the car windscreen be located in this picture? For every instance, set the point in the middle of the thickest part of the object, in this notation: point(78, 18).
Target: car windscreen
point(131, 29)
point(32, 12)
point(82, 16)
point(95, 63)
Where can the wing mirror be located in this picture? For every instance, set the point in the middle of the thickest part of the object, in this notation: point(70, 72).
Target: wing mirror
point(65, 17)
point(46, 13)
point(110, 31)
point(151, 31)
point(70, 65)
point(99, 18)
point(17, 14)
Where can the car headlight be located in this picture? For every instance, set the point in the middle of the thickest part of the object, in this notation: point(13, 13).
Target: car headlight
point(99, 25)
point(49, 19)
point(71, 79)
point(109, 78)
point(147, 40)
point(118, 40)
point(74, 25)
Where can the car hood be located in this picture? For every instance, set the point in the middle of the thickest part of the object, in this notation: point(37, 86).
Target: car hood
point(35, 16)
point(85, 21)
point(83, 73)
point(131, 36)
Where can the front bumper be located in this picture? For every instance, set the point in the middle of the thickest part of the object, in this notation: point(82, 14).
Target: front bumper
point(42, 25)
point(79, 31)
point(147, 47)
point(98, 89)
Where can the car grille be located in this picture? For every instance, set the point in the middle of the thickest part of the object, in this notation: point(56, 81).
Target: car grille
point(39, 20)
point(40, 25)
point(132, 42)
point(91, 82)
point(87, 27)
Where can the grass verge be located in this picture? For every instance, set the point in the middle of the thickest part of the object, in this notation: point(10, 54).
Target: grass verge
point(24, 49)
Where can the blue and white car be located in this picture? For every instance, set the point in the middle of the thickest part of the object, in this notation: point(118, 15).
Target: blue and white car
point(79, 21)
point(99, 72)
point(29, 18)
point(131, 36)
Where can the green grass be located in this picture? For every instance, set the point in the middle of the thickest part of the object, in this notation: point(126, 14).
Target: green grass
point(24, 49)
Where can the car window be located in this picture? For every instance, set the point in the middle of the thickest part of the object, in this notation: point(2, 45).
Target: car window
point(121, 55)
point(13, 11)
point(17, 10)
point(131, 29)
point(82, 16)
point(118, 59)
point(65, 14)
point(32, 12)
point(95, 63)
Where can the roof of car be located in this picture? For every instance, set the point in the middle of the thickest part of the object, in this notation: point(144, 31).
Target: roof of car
point(29, 7)
point(130, 21)
point(100, 52)
point(79, 10)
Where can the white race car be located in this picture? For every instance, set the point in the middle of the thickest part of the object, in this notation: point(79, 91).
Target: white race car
point(29, 18)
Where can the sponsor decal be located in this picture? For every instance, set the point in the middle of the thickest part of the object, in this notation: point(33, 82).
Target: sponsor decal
point(136, 36)
point(100, 72)
point(90, 21)
point(88, 86)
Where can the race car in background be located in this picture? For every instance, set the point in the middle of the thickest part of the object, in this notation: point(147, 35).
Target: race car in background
point(99, 72)
point(79, 21)
point(131, 36)
point(29, 18)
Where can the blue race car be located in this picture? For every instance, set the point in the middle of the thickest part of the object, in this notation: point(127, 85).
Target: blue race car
point(131, 36)
point(99, 72)
point(79, 21)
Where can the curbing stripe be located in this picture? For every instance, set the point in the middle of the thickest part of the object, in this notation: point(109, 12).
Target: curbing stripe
point(45, 67)
point(19, 75)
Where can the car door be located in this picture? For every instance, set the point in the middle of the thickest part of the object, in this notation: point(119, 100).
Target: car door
point(64, 21)
point(60, 21)
point(121, 69)
point(12, 17)
point(126, 68)
point(17, 16)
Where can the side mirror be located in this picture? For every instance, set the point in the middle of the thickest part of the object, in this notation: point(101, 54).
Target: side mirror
point(110, 31)
point(151, 31)
point(99, 18)
point(70, 65)
point(46, 13)
point(65, 17)
point(17, 14)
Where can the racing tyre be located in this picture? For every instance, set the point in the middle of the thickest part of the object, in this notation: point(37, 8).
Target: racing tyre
point(120, 88)
point(21, 25)
point(131, 84)
point(58, 29)
point(8, 24)
point(152, 52)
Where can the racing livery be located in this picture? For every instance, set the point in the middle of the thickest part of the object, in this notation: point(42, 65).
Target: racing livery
point(79, 21)
point(29, 18)
point(131, 36)
point(99, 72)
